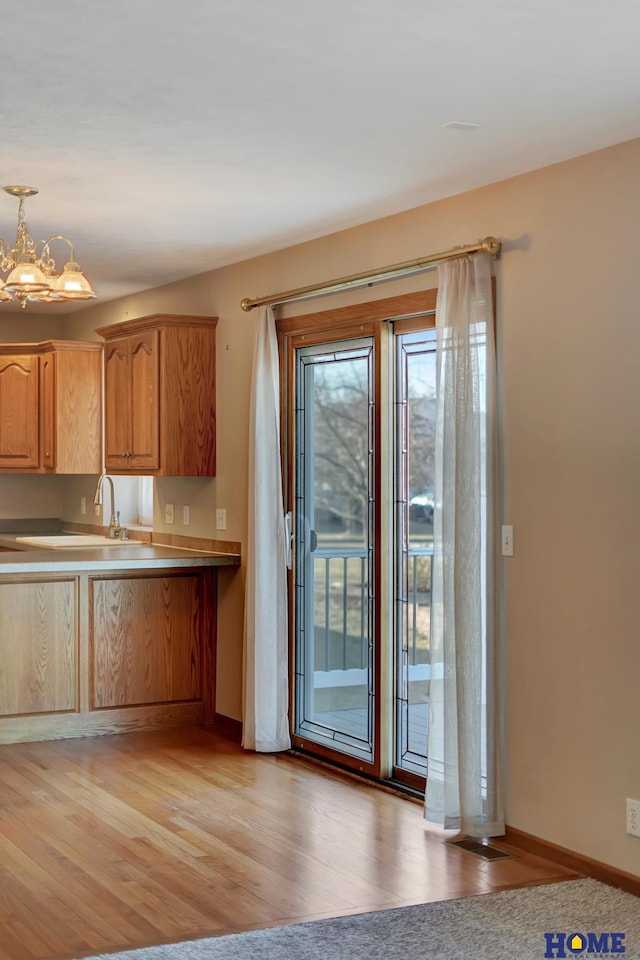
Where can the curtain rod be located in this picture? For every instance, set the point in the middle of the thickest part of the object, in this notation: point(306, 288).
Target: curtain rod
point(489, 245)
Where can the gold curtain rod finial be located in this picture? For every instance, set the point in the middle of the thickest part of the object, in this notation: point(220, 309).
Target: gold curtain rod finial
point(492, 246)
point(246, 305)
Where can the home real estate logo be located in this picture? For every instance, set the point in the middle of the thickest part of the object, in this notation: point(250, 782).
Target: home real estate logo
point(592, 945)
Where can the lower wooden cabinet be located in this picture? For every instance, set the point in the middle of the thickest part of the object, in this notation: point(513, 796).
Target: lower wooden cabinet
point(38, 647)
point(87, 654)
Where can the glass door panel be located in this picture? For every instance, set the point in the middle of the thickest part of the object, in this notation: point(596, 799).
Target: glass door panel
point(334, 601)
point(414, 440)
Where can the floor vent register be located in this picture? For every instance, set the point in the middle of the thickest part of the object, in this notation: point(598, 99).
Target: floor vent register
point(480, 848)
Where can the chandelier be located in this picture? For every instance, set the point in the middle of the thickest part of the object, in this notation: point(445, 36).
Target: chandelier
point(32, 275)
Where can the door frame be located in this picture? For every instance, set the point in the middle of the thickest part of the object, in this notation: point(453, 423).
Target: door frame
point(295, 341)
point(327, 326)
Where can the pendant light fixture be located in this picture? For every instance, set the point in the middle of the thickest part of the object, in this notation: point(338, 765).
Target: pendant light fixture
point(32, 275)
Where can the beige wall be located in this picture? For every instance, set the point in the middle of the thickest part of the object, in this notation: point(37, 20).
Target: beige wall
point(25, 327)
point(569, 344)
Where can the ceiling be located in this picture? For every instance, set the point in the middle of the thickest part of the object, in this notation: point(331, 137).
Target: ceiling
point(167, 141)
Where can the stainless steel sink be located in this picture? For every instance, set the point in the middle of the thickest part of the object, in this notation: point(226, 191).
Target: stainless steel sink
point(66, 540)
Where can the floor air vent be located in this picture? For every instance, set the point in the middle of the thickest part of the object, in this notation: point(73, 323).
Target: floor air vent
point(480, 849)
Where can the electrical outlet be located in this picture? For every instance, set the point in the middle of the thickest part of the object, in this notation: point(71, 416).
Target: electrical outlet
point(633, 818)
point(83, 505)
point(185, 515)
point(221, 519)
point(168, 513)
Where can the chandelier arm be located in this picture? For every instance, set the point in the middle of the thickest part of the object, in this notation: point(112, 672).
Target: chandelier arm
point(47, 253)
point(6, 260)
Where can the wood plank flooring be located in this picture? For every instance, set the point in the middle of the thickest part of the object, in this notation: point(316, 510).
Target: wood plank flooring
point(117, 842)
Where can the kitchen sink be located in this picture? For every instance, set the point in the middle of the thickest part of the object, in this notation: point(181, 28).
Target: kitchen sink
point(64, 541)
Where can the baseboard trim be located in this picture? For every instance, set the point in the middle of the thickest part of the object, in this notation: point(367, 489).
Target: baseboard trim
point(574, 861)
point(233, 728)
point(95, 723)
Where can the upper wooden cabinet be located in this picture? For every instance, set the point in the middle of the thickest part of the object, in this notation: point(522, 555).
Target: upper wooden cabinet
point(50, 407)
point(160, 396)
point(132, 403)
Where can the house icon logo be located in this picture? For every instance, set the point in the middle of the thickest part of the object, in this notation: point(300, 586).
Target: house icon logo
point(584, 945)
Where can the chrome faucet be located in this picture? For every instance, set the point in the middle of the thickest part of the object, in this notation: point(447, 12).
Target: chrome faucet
point(114, 522)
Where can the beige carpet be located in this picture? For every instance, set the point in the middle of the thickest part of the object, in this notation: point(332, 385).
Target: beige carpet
point(536, 923)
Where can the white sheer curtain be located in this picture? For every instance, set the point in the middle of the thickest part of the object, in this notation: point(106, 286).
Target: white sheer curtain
point(266, 656)
point(464, 787)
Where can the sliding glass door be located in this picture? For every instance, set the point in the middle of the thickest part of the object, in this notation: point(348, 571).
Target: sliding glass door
point(361, 442)
point(335, 450)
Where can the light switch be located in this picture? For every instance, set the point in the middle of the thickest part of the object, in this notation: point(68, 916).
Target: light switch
point(168, 513)
point(507, 540)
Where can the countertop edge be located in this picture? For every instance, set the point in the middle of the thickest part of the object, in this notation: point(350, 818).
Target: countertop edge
point(91, 559)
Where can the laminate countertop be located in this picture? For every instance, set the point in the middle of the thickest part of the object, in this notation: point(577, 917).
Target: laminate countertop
point(28, 558)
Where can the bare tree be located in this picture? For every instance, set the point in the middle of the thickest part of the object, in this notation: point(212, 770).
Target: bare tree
point(342, 442)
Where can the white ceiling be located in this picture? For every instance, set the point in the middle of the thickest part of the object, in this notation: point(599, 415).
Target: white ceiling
point(169, 140)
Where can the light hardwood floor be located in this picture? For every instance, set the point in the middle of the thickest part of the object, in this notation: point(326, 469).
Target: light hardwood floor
point(124, 841)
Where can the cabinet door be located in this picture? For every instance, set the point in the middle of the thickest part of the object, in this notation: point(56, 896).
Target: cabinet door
point(78, 411)
point(146, 639)
point(145, 426)
point(38, 639)
point(18, 412)
point(117, 397)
